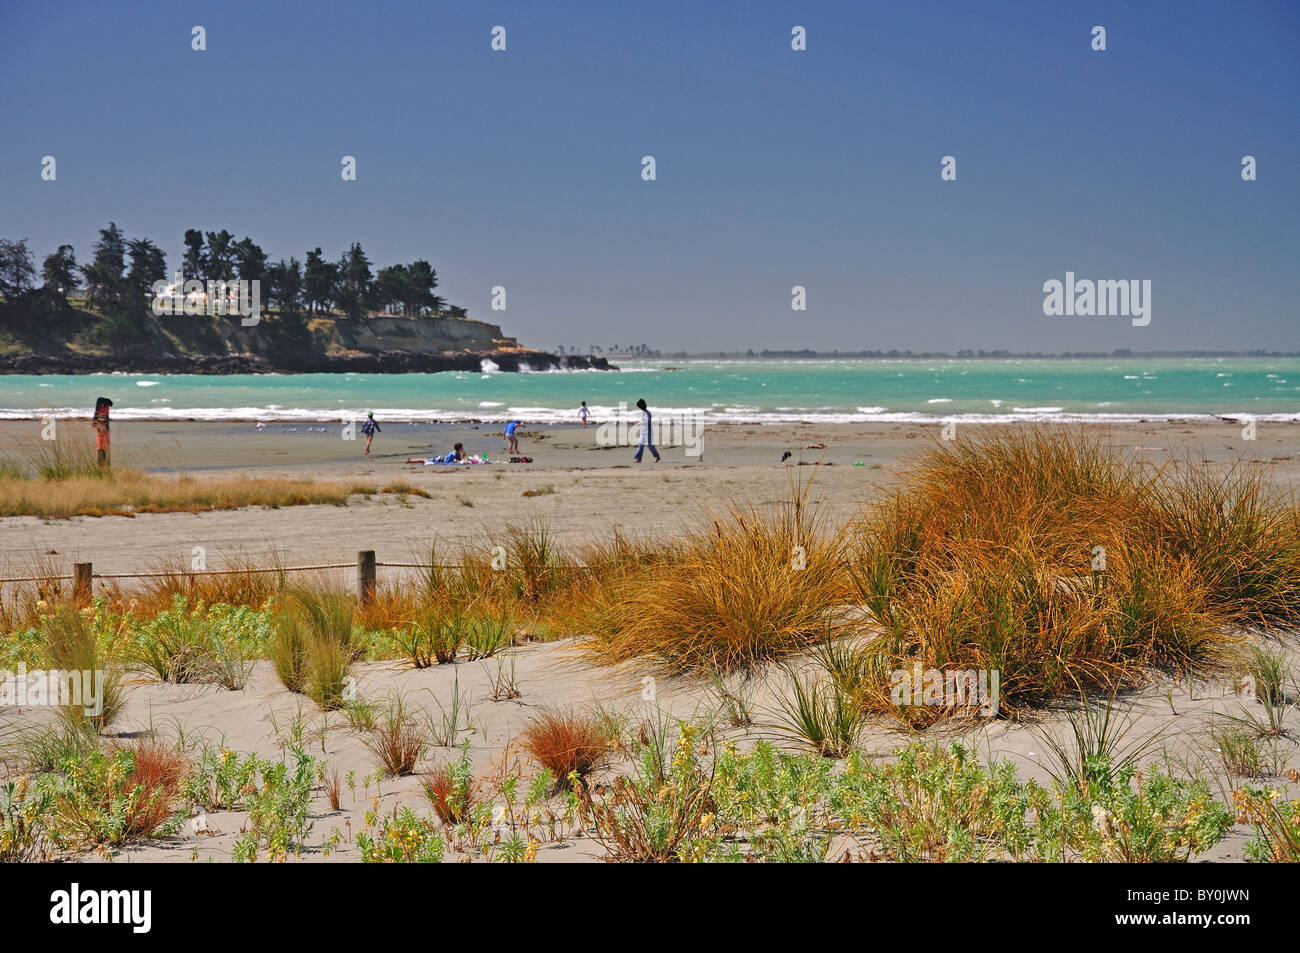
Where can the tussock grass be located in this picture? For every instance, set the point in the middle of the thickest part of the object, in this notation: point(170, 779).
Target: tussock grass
point(315, 643)
point(71, 644)
point(1241, 535)
point(452, 790)
point(403, 489)
point(1101, 743)
point(1064, 563)
point(750, 586)
point(118, 795)
point(70, 456)
point(22, 604)
point(397, 740)
point(1067, 565)
point(242, 581)
point(820, 713)
point(567, 743)
point(128, 493)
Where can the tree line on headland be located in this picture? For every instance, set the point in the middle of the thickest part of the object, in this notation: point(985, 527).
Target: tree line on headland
point(117, 283)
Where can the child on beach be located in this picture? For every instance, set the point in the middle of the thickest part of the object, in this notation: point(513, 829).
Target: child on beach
point(584, 413)
point(512, 440)
point(369, 428)
point(647, 434)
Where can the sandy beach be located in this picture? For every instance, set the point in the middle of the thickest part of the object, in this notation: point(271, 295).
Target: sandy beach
point(597, 490)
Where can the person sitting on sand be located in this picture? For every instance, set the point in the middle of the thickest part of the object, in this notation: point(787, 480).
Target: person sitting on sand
point(369, 428)
point(512, 439)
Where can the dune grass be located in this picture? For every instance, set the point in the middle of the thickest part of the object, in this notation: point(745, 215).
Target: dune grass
point(72, 644)
point(1069, 566)
point(747, 587)
point(316, 641)
point(58, 479)
point(131, 492)
point(568, 743)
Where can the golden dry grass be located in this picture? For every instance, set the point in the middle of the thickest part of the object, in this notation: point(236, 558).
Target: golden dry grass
point(130, 492)
point(57, 479)
point(1069, 566)
point(749, 586)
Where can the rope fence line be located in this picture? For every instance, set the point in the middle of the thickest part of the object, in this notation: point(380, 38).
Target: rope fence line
point(366, 565)
point(169, 574)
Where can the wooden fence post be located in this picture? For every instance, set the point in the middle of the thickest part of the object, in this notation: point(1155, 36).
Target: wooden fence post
point(82, 573)
point(365, 576)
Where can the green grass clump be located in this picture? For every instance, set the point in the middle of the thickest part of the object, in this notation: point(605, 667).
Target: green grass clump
point(72, 643)
point(315, 644)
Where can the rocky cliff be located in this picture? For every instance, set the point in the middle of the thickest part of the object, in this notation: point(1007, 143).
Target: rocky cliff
point(72, 342)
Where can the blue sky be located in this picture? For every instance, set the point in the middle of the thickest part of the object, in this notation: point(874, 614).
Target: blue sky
point(775, 167)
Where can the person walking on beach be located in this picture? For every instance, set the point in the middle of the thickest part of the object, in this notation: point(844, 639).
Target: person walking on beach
point(647, 434)
point(369, 428)
point(512, 439)
point(583, 414)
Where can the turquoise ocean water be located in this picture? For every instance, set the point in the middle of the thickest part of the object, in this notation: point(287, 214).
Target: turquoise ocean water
point(723, 391)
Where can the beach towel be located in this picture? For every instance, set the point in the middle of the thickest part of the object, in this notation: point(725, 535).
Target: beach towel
point(450, 460)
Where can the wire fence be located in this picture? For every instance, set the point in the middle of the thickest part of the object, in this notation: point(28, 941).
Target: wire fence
point(247, 570)
point(84, 574)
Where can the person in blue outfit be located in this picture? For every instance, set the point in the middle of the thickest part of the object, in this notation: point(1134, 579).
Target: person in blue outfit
point(512, 439)
point(369, 428)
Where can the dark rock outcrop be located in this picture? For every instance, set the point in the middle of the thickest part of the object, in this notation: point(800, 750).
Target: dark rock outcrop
point(295, 362)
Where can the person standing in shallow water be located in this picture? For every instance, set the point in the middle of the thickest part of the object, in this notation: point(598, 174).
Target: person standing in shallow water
point(647, 433)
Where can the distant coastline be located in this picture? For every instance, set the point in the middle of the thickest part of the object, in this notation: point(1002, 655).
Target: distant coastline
point(960, 355)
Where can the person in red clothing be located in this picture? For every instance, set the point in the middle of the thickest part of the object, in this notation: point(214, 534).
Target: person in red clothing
point(100, 423)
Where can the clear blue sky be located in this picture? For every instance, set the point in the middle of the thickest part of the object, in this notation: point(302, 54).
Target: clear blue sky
point(775, 167)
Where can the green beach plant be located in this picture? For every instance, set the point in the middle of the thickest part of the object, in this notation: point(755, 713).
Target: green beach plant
point(1101, 741)
point(73, 642)
point(819, 712)
point(315, 644)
